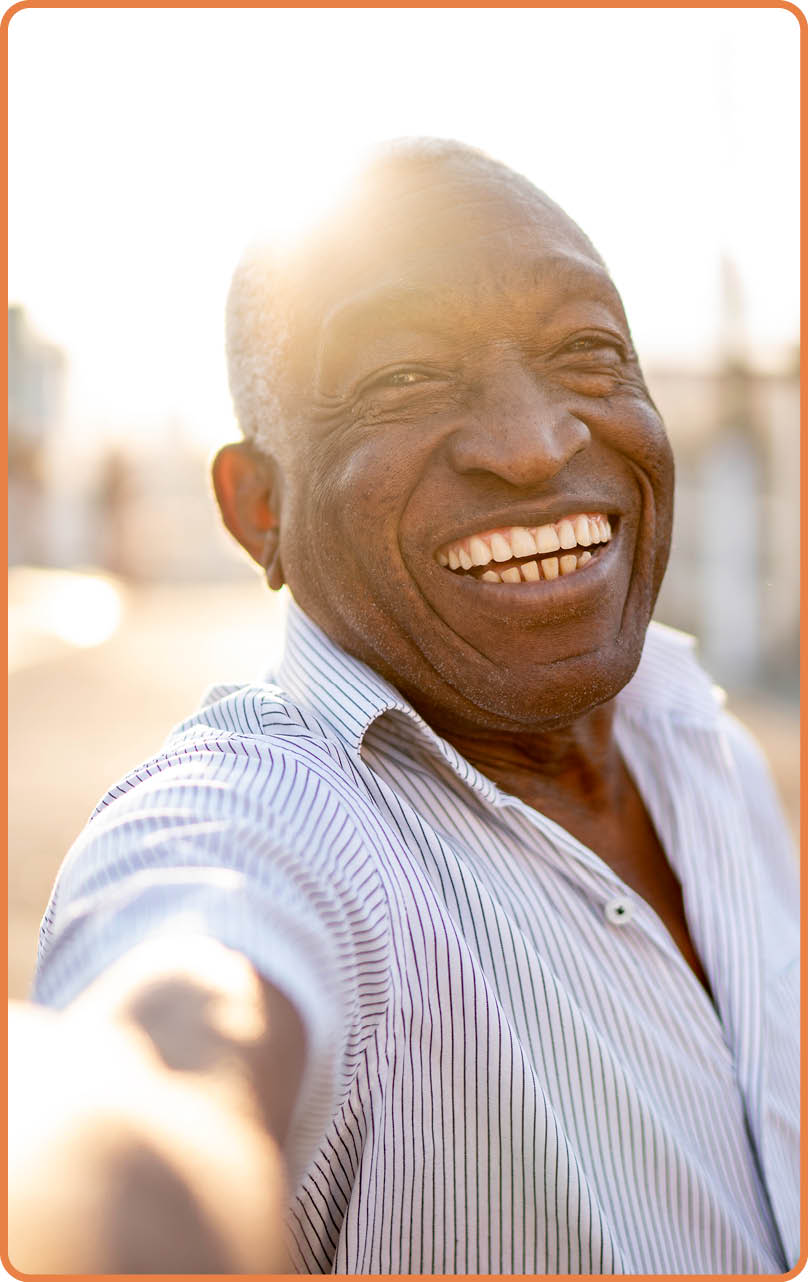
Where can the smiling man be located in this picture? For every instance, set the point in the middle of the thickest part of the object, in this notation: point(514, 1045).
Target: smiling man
point(481, 909)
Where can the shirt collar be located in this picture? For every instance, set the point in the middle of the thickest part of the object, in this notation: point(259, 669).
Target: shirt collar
point(350, 696)
point(670, 681)
point(320, 675)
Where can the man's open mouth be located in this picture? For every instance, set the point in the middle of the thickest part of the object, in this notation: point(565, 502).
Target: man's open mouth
point(528, 554)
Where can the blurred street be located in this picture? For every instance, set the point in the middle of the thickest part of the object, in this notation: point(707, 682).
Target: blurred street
point(81, 716)
point(86, 705)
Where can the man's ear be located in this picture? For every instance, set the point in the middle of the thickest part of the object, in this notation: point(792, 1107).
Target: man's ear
point(247, 487)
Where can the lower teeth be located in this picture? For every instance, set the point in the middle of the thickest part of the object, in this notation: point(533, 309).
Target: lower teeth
point(533, 571)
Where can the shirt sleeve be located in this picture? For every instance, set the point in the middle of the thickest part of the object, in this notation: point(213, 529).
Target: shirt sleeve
point(251, 844)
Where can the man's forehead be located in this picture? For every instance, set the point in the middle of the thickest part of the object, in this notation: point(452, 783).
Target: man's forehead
point(393, 226)
point(444, 242)
point(422, 293)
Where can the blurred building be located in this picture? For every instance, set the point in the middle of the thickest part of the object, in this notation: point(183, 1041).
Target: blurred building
point(154, 513)
point(136, 505)
point(37, 377)
point(733, 578)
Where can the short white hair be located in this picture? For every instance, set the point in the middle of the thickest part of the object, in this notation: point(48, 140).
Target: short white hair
point(257, 336)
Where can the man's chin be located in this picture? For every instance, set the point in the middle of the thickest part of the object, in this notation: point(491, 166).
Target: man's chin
point(531, 697)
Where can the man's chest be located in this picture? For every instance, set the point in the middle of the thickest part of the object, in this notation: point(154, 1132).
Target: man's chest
point(544, 1007)
point(627, 842)
point(550, 1086)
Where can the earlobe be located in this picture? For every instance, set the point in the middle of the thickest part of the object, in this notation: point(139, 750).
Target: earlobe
point(247, 487)
point(271, 559)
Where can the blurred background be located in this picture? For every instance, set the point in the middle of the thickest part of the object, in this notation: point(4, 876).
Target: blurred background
point(148, 146)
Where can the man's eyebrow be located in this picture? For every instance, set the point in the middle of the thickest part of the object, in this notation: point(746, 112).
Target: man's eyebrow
point(401, 305)
point(396, 304)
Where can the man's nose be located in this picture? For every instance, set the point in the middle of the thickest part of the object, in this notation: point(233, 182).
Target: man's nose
point(521, 429)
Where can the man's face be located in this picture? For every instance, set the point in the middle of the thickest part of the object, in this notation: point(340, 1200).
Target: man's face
point(469, 391)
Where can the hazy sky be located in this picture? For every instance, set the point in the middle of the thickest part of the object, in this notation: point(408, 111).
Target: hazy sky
point(147, 146)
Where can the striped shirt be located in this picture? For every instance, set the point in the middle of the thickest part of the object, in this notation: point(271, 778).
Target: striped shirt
point(510, 1068)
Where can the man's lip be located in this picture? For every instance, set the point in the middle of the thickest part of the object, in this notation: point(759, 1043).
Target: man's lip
point(511, 519)
point(561, 593)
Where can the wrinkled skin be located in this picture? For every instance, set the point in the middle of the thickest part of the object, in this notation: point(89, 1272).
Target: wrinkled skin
point(501, 390)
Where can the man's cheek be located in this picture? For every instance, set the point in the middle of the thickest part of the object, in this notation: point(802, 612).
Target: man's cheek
point(373, 482)
point(651, 448)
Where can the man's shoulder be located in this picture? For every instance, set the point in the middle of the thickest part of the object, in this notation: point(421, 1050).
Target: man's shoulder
point(243, 733)
point(259, 710)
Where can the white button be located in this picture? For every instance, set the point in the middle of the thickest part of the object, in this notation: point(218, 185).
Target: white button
point(619, 910)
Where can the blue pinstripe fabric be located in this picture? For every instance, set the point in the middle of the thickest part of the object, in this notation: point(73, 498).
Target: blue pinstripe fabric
point(500, 1078)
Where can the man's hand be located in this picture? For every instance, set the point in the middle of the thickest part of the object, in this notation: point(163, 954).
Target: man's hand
point(146, 1120)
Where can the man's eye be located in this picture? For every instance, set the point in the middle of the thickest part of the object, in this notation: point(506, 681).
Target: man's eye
point(400, 378)
point(594, 343)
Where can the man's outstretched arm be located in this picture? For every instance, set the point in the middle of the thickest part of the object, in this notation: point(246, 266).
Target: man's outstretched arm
point(147, 1119)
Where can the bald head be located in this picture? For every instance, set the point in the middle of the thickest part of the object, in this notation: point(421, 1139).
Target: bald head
point(412, 193)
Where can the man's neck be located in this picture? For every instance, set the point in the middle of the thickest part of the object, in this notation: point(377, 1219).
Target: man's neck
point(576, 768)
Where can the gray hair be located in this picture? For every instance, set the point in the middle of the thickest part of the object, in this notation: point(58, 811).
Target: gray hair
point(257, 336)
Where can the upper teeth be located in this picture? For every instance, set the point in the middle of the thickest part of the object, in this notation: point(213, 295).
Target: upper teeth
point(579, 530)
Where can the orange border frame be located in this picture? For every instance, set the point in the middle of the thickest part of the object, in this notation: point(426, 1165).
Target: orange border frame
point(592, 4)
